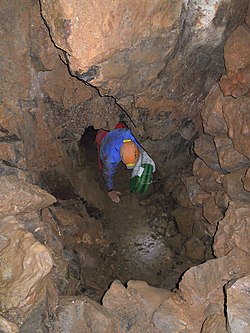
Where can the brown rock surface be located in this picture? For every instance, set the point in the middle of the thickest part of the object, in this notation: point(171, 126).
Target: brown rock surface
point(206, 150)
point(208, 178)
point(233, 230)
point(185, 219)
point(212, 115)
point(238, 305)
point(196, 193)
point(18, 196)
point(211, 211)
point(236, 84)
point(7, 326)
point(237, 116)
point(25, 263)
point(214, 324)
point(230, 159)
point(118, 27)
point(237, 49)
point(81, 314)
point(246, 180)
point(233, 186)
point(194, 249)
point(128, 314)
point(149, 297)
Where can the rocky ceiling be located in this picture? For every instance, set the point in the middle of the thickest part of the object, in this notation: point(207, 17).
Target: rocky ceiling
point(157, 59)
point(179, 71)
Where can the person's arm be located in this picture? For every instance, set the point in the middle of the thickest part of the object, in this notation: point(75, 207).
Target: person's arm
point(109, 170)
point(108, 173)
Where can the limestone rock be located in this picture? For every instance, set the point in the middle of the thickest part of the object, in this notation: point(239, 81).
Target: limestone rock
point(238, 305)
point(237, 49)
point(195, 191)
point(246, 180)
point(25, 264)
point(202, 285)
point(236, 84)
point(185, 219)
point(101, 52)
point(173, 316)
point(206, 150)
point(212, 115)
point(222, 200)
point(149, 297)
point(21, 197)
point(128, 314)
point(230, 160)
point(237, 116)
point(214, 324)
point(81, 314)
point(7, 326)
point(11, 150)
point(211, 211)
point(208, 178)
point(181, 196)
point(233, 186)
point(195, 249)
point(233, 230)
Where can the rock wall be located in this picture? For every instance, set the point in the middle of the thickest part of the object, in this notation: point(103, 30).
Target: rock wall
point(158, 59)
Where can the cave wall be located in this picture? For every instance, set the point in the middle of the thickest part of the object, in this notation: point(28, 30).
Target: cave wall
point(157, 59)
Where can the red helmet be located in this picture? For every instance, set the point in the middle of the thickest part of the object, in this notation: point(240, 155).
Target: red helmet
point(130, 153)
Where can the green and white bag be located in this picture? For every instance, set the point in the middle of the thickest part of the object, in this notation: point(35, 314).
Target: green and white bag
point(142, 174)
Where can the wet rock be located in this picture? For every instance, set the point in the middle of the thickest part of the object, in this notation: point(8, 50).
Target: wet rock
point(25, 265)
point(237, 116)
point(233, 186)
point(230, 160)
point(21, 197)
point(238, 304)
point(233, 230)
point(206, 150)
point(195, 249)
point(212, 115)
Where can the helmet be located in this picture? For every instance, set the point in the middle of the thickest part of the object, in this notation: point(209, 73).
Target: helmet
point(130, 153)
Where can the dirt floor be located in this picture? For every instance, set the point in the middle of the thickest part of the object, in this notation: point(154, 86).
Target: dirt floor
point(140, 240)
point(144, 243)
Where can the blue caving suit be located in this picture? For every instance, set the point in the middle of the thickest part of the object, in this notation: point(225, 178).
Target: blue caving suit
point(110, 153)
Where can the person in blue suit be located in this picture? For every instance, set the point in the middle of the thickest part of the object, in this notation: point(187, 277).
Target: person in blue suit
point(113, 147)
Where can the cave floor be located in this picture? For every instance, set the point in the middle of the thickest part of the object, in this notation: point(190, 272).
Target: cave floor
point(140, 240)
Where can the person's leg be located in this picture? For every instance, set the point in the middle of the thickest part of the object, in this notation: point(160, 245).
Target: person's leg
point(121, 124)
point(98, 139)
